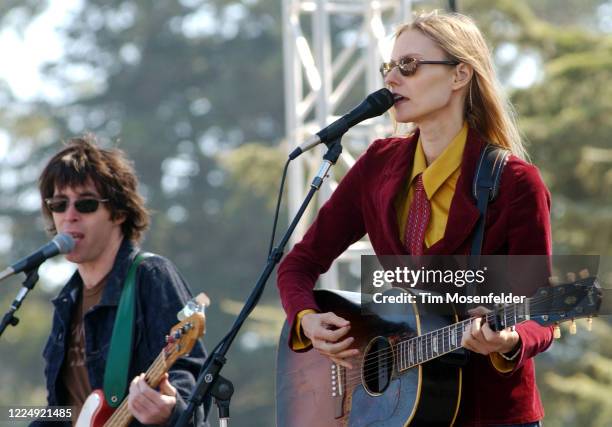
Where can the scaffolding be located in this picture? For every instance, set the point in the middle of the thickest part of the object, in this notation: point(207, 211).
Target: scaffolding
point(325, 64)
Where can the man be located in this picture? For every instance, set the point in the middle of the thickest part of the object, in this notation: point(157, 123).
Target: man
point(91, 194)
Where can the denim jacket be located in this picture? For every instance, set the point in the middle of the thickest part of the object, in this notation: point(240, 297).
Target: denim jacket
point(160, 293)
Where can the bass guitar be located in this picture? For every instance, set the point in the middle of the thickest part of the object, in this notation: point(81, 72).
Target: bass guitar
point(179, 342)
point(400, 379)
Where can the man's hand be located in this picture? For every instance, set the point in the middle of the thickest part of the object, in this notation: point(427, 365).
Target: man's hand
point(480, 338)
point(148, 405)
point(324, 330)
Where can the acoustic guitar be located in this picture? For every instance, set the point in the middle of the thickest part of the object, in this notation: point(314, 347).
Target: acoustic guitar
point(401, 378)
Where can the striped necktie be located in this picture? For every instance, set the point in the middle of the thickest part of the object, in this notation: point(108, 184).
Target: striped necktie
point(418, 218)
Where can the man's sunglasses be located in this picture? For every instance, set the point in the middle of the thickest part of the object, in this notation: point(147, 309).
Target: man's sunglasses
point(85, 205)
point(408, 66)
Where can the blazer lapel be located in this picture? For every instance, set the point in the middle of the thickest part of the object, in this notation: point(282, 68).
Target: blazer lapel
point(463, 213)
point(394, 178)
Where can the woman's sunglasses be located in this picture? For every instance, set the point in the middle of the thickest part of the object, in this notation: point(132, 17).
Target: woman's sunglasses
point(85, 205)
point(408, 66)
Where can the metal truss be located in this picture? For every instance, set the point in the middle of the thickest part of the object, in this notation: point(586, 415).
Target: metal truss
point(324, 63)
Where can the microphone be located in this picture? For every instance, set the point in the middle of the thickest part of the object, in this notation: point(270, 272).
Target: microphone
point(61, 244)
point(374, 105)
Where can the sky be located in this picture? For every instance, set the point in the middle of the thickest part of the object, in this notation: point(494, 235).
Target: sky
point(37, 44)
point(40, 42)
point(28, 51)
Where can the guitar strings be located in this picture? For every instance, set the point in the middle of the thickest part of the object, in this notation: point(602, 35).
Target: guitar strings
point(450, 330)
point(371, 367)
point(510, 312)
point(374, 358)
point(389, 352)
point(122, 416)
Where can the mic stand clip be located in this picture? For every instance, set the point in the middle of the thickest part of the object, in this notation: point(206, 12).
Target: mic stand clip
point(27, 285)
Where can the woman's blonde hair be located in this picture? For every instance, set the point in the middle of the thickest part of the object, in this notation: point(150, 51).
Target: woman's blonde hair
point(487, 110)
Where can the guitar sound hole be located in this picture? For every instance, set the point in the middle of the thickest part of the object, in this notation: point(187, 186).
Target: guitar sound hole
point(377, 366)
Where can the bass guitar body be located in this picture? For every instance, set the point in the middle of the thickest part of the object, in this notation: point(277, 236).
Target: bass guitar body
point(313, 391)
point(95, 411)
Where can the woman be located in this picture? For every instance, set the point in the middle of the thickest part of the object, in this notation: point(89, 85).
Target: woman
point(442, 78)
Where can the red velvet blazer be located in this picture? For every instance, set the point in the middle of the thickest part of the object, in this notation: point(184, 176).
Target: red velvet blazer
point(518, 222)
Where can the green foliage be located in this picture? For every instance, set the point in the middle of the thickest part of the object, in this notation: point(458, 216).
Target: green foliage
point(254, 170)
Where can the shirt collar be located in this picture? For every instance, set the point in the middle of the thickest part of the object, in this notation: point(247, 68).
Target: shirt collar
point(443, 167)
point(114, 284)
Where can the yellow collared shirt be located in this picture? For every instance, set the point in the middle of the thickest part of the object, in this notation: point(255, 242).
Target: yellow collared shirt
point(439, 180)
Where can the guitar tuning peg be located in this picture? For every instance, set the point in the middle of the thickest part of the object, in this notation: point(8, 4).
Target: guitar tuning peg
point(557, 331)
point(572, 328)
point(589, 324)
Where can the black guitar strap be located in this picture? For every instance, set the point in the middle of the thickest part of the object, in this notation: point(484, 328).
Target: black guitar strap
point(485, 189)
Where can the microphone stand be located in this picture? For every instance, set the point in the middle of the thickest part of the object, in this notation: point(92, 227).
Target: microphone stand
point(27, 286)
point(210, 382)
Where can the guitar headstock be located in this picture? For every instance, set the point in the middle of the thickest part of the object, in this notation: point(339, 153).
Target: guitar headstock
point(568, 301)
point(197, 304)
point(192, 326)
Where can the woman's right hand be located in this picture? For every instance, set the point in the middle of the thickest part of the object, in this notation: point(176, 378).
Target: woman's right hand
point(324, 331)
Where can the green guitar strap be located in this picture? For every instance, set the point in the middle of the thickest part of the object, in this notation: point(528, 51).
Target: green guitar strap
point(120, 351)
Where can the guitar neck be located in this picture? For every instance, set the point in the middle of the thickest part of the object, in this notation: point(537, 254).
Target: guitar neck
point(439, 342)
point(179, 342)
point(122, 416)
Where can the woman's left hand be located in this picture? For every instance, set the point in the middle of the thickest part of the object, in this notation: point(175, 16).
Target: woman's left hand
point(480, 338)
